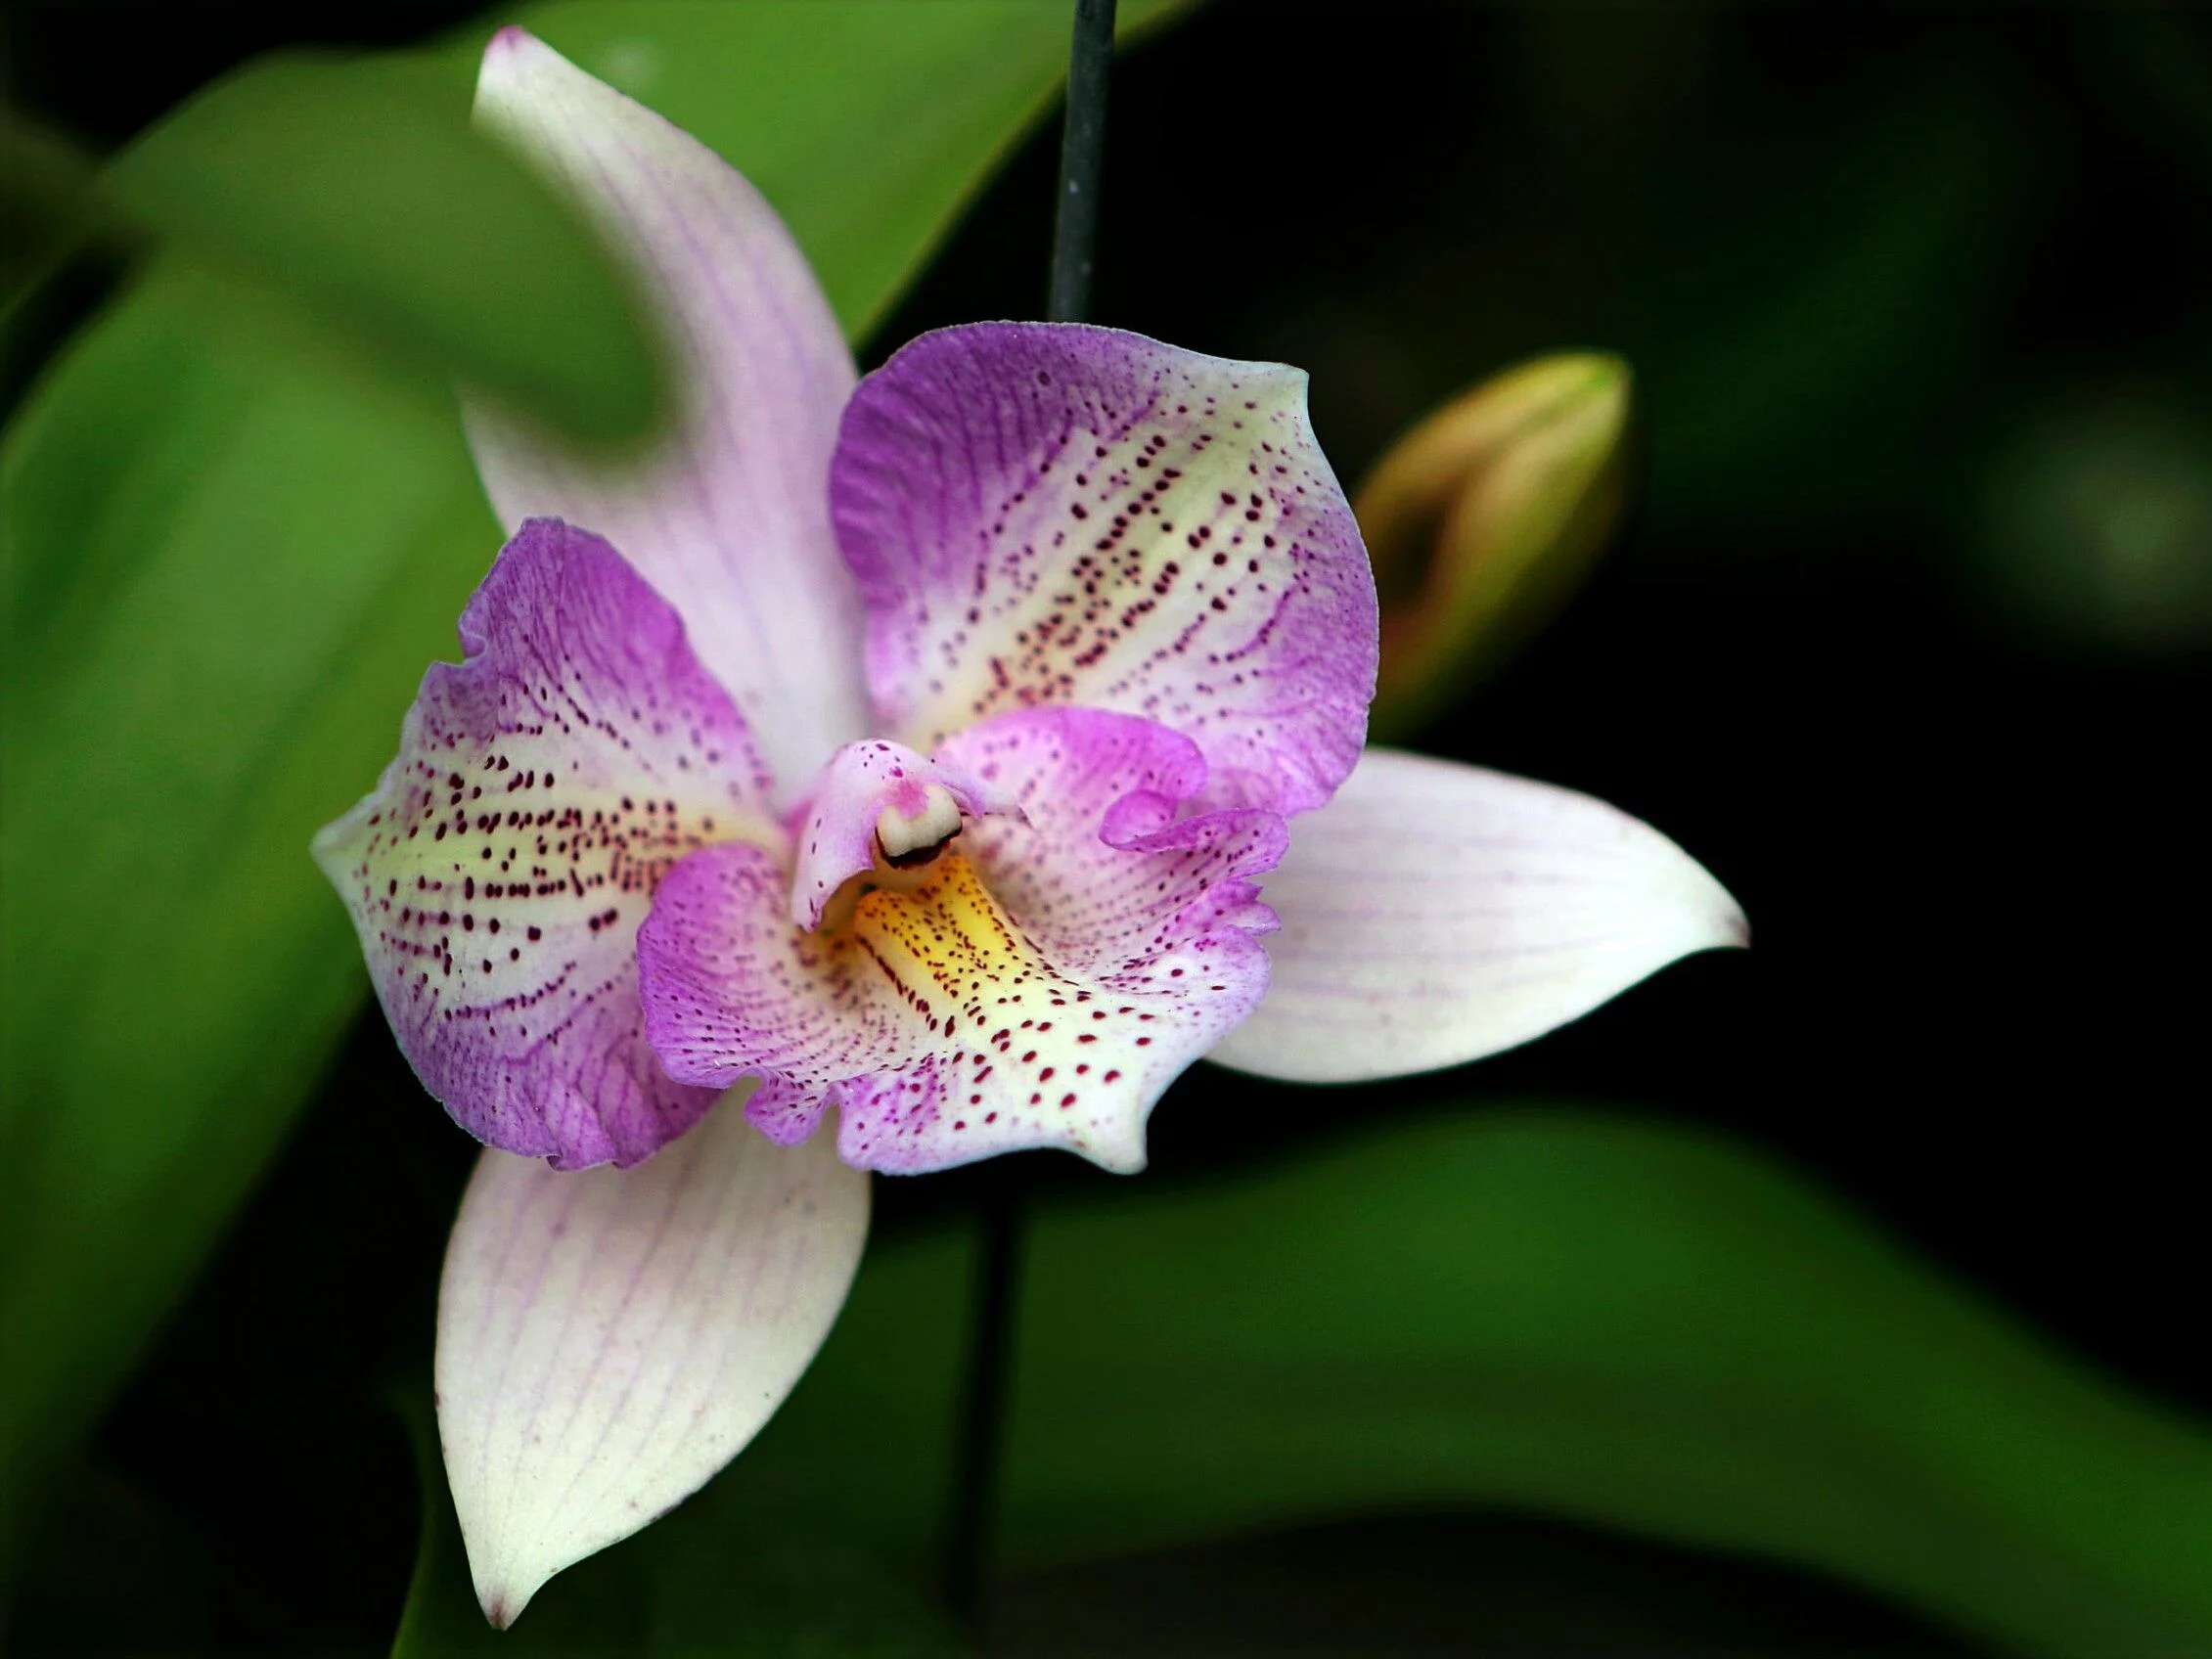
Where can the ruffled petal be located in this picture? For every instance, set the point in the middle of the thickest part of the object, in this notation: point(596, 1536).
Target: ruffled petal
point(730, 518)
point(498, 873)
point(607, 1340)
point(1052, 513)
point(839, 826)
point(1434, 912)
point(1041, 988)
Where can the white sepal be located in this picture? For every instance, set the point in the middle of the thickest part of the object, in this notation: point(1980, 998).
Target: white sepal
point(1434, 912)
point(607, 1339)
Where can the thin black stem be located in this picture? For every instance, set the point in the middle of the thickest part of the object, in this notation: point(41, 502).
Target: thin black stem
point(990, 1367)
point(1082, 162)
point(982, 1445)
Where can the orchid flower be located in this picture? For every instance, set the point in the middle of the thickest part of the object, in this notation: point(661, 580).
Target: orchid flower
point(915, 750)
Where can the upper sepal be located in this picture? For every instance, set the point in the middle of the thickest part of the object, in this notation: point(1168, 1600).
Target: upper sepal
point(728, 516)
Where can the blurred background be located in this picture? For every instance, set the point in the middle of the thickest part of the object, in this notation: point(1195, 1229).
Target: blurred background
point(1903, 636)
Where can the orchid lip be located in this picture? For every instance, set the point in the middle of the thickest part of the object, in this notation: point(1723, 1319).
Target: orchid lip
point(1038, 982)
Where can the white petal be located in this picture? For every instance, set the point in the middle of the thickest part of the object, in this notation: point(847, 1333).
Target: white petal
point(607, 1339)
point(1434, 912)
point(730, 521)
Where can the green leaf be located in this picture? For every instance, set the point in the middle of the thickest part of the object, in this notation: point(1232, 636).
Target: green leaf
point(225, 554)
point(1620, 1324)
point(45, 204)
point(361, 188)
point(224, 567)
point(1624, 1324)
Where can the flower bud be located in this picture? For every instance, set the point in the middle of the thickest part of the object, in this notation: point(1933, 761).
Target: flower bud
point(1483, 518)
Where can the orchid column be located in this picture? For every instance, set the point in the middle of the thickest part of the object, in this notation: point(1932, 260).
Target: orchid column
point(883, 777)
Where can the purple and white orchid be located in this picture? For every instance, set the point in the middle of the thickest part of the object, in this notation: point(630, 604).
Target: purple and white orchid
point(916, 748)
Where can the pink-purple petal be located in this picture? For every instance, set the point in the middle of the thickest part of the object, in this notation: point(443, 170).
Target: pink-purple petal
point(498, 873)
point(1433, 913)
point(729, 517)
point(1046, 513)
point(1106, 857)
point(607, 1340)
point(1041, 988)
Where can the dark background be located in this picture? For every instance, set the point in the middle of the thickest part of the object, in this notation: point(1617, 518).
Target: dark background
point(1905, 639)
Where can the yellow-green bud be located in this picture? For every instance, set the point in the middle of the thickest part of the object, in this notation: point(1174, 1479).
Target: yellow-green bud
point(1483, 518)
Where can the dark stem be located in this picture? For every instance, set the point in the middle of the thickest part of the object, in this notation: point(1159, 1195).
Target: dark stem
point(1082, 162)
point(990, 1365)
point(982, 1442)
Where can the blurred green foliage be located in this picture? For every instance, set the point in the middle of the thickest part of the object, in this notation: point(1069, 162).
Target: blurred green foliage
point(358, 188)
point(225, 561)
point(45, 204)
point(228, 547)
point(1806, 337)
point(2095, 528)
point(1607, 1320)
point(356, 195)
point(1573, 1313)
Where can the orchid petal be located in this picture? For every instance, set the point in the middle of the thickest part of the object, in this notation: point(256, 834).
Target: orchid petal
point(1051, 514)
point(1041, 987)
point(498, 873)
point(607, 1340)
point(838, 837)
point(1434, 912)
point(730, 518)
